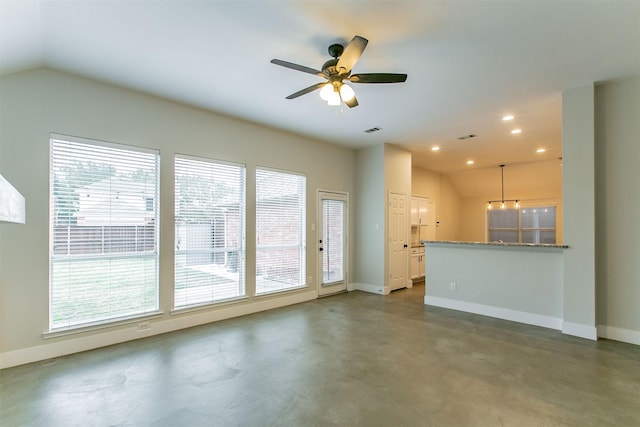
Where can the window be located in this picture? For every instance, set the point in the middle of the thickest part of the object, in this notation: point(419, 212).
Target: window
point(526, 225)
point(333, 212)
point(280, 231)
point(538, 225)
point(103, 237)
point(209, 231)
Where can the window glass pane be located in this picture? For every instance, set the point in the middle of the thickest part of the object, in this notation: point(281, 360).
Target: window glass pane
point(104, 259)
point(539, 237)
point(333, 241)
point(280, 237)
point(209, 232)
point(534, 225)
point(505, 236)
point(542, 217)
point(503, 218)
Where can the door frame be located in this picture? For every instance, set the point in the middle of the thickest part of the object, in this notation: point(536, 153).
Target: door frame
point(331, 195)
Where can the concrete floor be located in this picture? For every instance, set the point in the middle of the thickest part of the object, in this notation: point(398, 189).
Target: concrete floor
point(354, 359)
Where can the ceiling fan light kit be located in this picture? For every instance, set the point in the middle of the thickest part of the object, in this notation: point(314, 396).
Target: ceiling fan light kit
point(338, 69)
point(346, 93)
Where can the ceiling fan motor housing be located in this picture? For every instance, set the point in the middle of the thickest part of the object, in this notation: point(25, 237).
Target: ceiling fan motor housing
point(329, 67)
point(335, 50)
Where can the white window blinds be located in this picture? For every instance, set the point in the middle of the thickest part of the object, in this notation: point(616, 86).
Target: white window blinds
point(280, 231)
point(209, 232)
point(526, 225)
point(333, 241)
point(103, 235)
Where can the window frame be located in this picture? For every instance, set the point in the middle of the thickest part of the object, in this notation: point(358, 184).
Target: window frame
point(301, 243)
point(519, 230)
point(149, 311)
point(242, 248)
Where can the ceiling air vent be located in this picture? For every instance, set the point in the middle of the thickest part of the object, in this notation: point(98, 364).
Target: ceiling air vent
point(372, 130)
point(471, 135)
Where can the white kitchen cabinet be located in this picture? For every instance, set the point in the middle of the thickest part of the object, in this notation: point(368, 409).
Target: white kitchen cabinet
point(417, 264)
point(419, 211)
point(423, 217)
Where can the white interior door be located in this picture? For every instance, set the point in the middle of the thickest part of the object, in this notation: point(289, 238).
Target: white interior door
point(398, 245)
point(332, 242)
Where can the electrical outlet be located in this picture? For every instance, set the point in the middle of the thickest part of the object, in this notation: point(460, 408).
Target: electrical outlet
point(310, 281)
point(453, 286)
point(144, 326)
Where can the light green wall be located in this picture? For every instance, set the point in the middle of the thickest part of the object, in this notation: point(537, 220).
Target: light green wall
point(617, 112)
point(516, 283)
point(369, 197)
point(578, 177)
point(35, 103)
point(380, 169)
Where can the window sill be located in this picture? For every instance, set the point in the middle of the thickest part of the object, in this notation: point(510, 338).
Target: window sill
point(208, 305)
point(281, 291)
point(97, 326)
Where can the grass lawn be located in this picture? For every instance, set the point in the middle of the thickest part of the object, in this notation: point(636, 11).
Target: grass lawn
point(87, 291)
point(84, 291)
point(94, 290)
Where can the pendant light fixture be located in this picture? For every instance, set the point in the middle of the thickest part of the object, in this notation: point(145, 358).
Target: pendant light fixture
point(503, 202)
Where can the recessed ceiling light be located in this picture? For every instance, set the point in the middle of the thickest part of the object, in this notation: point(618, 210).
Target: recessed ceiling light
point(516, 131)
point(507, 118)
point(541, 150)
point(435, 148)
point(470, 162)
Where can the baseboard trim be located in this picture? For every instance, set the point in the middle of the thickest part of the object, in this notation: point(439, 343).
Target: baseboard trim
point(366, 287)
point(497, 312)
point(580, 330)
point(56, 347)
point(619, 334)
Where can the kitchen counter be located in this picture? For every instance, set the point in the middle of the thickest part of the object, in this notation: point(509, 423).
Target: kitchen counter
point(517, 282)
point(499, 244)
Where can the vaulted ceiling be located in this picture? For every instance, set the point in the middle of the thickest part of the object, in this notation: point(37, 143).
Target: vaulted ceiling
point(469, 63)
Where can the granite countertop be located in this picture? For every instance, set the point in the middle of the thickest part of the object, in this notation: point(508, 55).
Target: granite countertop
point(501, 244)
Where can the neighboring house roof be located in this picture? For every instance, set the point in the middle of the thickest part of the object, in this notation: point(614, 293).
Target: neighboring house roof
point(116, 201)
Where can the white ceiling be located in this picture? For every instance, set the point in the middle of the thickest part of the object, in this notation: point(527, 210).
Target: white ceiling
point(468, 63)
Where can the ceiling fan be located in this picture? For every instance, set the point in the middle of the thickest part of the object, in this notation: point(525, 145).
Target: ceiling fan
point(338, 69)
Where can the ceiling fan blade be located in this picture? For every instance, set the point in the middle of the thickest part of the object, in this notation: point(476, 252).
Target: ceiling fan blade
point(351, 54)
point(378, 78)
point(298, 67)
point(353, 102)
point(306, 90)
